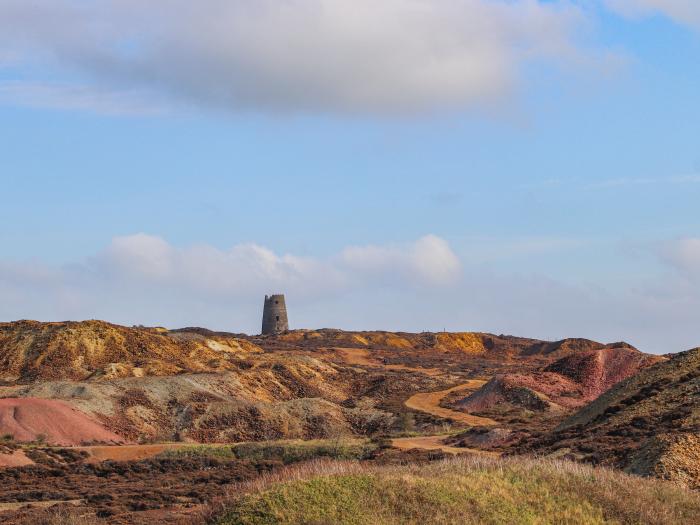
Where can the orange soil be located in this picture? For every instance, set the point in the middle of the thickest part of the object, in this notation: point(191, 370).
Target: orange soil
point(425, 402)
point(5, 507)
point(430, 402)
point(100, 453)
point(128, 452)
point(362, 357)
point(436, 443)
point(62, 425)
point(16, 459)
point(27, 419)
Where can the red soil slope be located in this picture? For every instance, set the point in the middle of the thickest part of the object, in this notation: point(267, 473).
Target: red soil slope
point(55, 421)
point(599, 370)
point(570, 382)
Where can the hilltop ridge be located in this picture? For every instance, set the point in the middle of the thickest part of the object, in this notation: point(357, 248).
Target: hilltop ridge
point(32, 351)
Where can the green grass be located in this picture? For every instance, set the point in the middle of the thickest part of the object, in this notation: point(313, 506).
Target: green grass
point(461, 490)
point(196, 451)
point(291, 451)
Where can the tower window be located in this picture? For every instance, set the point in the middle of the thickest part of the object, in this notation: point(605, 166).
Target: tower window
point(278, 317)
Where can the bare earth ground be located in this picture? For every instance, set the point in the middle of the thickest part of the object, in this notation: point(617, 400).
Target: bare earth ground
point(128, 497)
point(128, 452)
point(15, 459)
point(56, 421)
point(436, 443)
point(227, 389)
point(5, 507)
point(430, 402)
point(362, 357)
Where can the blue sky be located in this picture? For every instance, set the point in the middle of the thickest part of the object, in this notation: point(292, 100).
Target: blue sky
point(521, 167)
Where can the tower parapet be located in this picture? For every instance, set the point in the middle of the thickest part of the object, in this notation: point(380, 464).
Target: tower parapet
point(274, 315)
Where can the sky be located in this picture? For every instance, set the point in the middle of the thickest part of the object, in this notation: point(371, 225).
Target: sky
point(508, 166)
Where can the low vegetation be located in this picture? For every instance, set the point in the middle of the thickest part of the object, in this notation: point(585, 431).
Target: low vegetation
point(460, 490)
point(285, 451)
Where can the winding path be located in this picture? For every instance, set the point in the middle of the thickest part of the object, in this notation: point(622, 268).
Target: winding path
point(429, 402)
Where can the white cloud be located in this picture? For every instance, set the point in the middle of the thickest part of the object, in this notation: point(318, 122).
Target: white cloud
point(683, 254)
point(434, 260)
point(143, 279)
point(420, 285)
point(429, 260)
point(140, 255)
point(361, 56)
point(682, 11)
point(250, 268)
point(203, 269)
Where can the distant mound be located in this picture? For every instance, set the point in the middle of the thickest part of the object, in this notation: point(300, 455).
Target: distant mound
point(50, 421)
point(470, 343)
point(570, 346)
point(570, 382)
point(31, 351)
point(648, 423)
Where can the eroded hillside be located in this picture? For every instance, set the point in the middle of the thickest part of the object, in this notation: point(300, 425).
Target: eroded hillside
point(647, 424)
point(407, 397)
point(569, 382)
point(146, 384)
point(33, 351)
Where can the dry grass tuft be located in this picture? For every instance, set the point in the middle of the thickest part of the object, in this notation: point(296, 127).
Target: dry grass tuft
point(460, 490)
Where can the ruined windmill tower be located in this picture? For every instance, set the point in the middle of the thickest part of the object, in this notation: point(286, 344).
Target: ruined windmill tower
point(274, 315)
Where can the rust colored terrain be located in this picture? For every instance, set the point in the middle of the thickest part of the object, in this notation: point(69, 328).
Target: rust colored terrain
point(53, 421)
point(93, 384)
point(430, 402)
point(648, 424)
point(32, 351)
point(569, 382)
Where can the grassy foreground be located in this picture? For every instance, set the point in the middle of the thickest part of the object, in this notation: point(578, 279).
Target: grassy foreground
point(463, 490)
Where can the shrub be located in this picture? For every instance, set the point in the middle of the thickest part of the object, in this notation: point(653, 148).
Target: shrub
point(285, 451)
point(295, 451)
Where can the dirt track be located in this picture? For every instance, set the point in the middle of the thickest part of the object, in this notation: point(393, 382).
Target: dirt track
point(362, 357)
point(100, 453)
point(435, 443)
point(430, 402)
point(128, 452)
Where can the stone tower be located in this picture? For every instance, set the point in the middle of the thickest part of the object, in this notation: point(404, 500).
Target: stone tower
point(274, 315)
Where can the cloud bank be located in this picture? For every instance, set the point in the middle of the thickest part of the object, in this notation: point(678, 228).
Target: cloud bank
point(684, 254)
point(394, 57)
point(333, 56)
point(415, 286)
point(682, 11)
